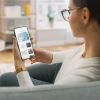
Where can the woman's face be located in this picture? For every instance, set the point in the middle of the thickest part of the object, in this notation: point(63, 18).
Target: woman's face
point(75, 20)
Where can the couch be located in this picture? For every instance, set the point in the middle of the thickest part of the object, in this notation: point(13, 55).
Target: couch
point(84, 91)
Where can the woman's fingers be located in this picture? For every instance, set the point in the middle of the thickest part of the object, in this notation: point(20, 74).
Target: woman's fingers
point(17, 58)
point(15, 48)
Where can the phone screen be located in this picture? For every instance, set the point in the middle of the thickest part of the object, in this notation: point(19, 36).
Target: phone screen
point(24, 42)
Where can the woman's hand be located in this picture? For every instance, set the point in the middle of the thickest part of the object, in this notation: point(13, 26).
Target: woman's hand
point(19, 63)
point(42, 56)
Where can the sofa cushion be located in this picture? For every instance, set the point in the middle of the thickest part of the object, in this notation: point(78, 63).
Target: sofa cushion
point(86, 91)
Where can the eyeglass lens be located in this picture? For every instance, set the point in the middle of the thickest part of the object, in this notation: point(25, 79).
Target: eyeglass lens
point(65, 15)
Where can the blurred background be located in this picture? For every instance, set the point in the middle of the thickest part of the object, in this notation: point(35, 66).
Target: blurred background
point(44, 21)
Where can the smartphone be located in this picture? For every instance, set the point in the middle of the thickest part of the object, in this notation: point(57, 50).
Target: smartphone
point(24, 42)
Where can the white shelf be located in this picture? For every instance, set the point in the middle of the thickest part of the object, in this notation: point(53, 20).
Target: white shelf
point(12, 20)
point(52, 29)
point(11, 32)
point(21, 17)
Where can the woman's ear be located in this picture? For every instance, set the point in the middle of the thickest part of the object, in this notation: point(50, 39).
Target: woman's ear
point(85, 15)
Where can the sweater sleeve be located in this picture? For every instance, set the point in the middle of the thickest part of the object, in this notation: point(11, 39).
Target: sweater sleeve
point(24, 79)
point(59, 56)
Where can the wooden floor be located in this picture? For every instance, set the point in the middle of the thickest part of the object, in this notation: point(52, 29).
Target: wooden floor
point(7, 56)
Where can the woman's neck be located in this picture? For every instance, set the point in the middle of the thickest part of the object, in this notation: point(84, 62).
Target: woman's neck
point(92, 47)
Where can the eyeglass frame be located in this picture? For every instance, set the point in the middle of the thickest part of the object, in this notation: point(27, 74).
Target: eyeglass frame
point(68, 11)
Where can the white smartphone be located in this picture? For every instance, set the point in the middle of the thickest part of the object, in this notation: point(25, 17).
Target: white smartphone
point(24, 42)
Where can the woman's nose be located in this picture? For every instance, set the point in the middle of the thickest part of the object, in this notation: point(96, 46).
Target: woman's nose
point(68, 18)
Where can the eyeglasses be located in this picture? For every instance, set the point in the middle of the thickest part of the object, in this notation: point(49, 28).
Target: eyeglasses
point(65, 13)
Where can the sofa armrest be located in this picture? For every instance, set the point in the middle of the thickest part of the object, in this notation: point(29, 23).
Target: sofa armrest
point(87, 91)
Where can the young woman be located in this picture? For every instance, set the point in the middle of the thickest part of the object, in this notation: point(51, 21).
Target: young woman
point(78, 65)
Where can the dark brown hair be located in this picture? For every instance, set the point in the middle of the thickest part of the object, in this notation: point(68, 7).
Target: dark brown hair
point(92, 5)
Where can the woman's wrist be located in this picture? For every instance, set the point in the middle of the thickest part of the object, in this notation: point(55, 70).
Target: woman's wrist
point(20, 69)
point(50, 58)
